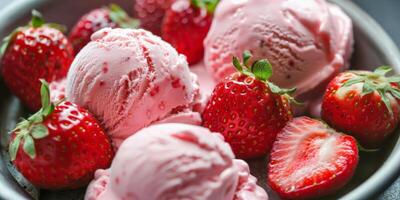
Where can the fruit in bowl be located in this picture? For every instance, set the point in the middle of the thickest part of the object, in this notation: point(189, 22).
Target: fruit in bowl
point(140, 89)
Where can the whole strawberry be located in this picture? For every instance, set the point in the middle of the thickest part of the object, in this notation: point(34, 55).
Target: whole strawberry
point(112, 16)
point(186, 24)
point(363, 104)
point(309, 160)
point(60, 146)
point(151, 13)
point(247, 109)
point(57, 90)
point(33, 52)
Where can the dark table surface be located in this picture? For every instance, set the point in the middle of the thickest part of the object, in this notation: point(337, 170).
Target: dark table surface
point(387, 13)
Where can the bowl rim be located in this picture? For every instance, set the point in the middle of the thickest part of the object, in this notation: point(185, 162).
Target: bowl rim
point(390, 169)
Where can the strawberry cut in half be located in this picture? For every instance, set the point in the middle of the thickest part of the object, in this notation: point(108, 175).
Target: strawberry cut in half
point(309, 160)
point(247, 109)
point(363, 104)
point(60, 146)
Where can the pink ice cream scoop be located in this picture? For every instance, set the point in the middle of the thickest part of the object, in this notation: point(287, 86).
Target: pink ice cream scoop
point(307, 41)
point(130, 79)
point(175, 161)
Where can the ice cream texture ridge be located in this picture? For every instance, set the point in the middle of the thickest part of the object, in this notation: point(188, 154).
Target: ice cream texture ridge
point(130, 79)
point(307, 43)
point(194, 164)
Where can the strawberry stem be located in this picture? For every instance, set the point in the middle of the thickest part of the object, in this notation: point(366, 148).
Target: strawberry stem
point(378, 82)
point(209, 5)
point(32, 128)
point(36, 22)
point(119, 16)
point(262, 70)
point(37, 19)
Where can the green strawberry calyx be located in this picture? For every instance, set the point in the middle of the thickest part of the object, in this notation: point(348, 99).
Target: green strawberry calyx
point(32, 128)
point(209, 5)
point(377, 81)
point(262, 71)
point(120, 17)
point(36, 22)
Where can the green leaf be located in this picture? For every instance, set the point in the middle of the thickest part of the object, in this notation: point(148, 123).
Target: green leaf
point(353, 81)
point(382, 70)
point(59, 27)
point(386, 101)
point(289, 91)
point(29, 146)
point(246, 57)
point(119, 16)
point(39, 131)
point(395, 92)
point(14, 146)
point(367, 88)
point(4, 45)
point(274, 88)
point(394, 79)
point(236, 64)
point(7, 40)
point(45, 97)
point(37, 19)
point(262, 69)
point(198, 3)
point(209, 5)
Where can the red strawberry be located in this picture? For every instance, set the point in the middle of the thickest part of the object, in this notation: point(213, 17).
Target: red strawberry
point(112, 16)
point(309, 160)
point(247, 109)
point(151, 13)
point(57, 90)
point(363, 104)
point(185, 26)
point(32, 52)
point(60, 146)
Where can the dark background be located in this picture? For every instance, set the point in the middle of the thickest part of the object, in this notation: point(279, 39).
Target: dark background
point(387, 14)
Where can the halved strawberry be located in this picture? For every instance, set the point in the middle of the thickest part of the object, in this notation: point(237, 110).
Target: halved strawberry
point(309, 159)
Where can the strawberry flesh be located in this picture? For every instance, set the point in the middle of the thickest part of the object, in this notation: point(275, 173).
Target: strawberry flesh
point(309, 160)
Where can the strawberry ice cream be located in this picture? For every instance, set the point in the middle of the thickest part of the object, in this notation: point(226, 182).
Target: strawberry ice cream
point(307, 42)
point(130, 79)
point(175, 161)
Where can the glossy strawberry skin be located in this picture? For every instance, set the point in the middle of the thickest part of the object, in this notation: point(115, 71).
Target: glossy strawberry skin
point(151, 13)
point(57, 89)
point(185, 28)
point(35, 53)
point(310, 160)
point(247, 114)
point(87, 25)
point(68, 157)
point(363, 116)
